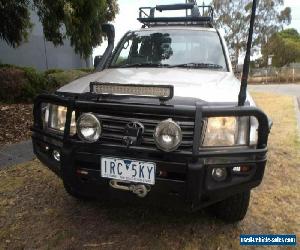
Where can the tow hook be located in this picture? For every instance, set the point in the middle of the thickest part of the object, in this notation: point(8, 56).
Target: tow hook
point(140, 190)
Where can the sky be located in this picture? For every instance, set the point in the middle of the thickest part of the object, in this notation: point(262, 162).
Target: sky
point(127, 17)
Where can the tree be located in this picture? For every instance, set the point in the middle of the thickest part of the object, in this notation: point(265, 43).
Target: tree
point(78, 20)
point(233, 16)
point(14, 21)
point(284, 46)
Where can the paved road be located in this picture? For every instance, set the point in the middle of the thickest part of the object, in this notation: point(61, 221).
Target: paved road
point(16, 153)
point(286, 89)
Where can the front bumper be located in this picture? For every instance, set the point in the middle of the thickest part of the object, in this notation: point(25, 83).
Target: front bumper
point(188, 180)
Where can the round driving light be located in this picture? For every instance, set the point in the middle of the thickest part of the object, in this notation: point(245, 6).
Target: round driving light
point(56, 155)
point(88, 127)
point(167, 135)
point(219, 174)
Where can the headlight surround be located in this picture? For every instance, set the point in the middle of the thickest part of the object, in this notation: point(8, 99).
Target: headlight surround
point(54, 118)
point(167, 135)
point(89, 127)
point(226, 131)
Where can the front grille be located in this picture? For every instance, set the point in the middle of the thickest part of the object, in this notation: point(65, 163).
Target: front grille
point(114, 123)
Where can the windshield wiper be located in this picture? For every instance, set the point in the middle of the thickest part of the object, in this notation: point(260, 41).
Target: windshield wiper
point(137, 65)
point(198, 65)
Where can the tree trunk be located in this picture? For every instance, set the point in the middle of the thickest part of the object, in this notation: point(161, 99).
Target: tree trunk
point(236, 55)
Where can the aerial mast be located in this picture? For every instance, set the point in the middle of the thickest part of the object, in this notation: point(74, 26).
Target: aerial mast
point(244, 81)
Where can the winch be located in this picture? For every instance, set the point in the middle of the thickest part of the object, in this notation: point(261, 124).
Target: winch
point(140, 190)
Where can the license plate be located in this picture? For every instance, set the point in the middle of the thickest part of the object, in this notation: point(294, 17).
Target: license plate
point(128, 170)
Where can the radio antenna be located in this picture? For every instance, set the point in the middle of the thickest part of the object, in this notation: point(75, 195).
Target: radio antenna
point(244, 81)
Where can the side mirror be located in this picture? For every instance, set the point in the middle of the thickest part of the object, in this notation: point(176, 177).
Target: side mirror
point(97, 60)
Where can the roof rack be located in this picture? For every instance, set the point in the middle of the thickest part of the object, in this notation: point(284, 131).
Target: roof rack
point(201, 15)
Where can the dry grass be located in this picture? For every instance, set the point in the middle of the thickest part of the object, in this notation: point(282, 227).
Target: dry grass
point(280, 194)
point(35, 212)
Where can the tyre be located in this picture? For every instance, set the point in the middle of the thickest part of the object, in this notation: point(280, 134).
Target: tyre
point(74, 192)
point(233, 209)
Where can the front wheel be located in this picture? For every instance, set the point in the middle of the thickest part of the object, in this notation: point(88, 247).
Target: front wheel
point(75, 192)
point(233, 209)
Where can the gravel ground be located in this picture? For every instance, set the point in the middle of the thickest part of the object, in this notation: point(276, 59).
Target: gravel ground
point(15, 123)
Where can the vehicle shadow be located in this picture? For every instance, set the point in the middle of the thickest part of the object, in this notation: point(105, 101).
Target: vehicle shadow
point(157, 227)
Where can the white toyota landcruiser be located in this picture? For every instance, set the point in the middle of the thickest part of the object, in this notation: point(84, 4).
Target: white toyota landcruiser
point(160, 118)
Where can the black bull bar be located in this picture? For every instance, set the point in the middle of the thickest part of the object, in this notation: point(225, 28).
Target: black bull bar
point(89, 102)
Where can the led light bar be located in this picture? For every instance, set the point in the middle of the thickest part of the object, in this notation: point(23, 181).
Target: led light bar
point(163, 92)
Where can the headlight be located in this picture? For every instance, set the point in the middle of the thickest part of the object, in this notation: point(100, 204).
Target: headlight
point(253, 131)
point(226, 131)
point(167, 135)
point(54, 117)
point(88, 127)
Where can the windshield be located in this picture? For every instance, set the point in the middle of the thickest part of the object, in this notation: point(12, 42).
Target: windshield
point(171, 48)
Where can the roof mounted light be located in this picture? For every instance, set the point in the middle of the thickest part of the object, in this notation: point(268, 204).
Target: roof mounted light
point(162, 92)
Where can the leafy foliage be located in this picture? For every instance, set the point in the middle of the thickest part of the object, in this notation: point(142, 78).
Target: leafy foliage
point(78, 20)
point(23, 84)
point(284, 46)
point(12, 82)
point(15, 21)
point(233, 16)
